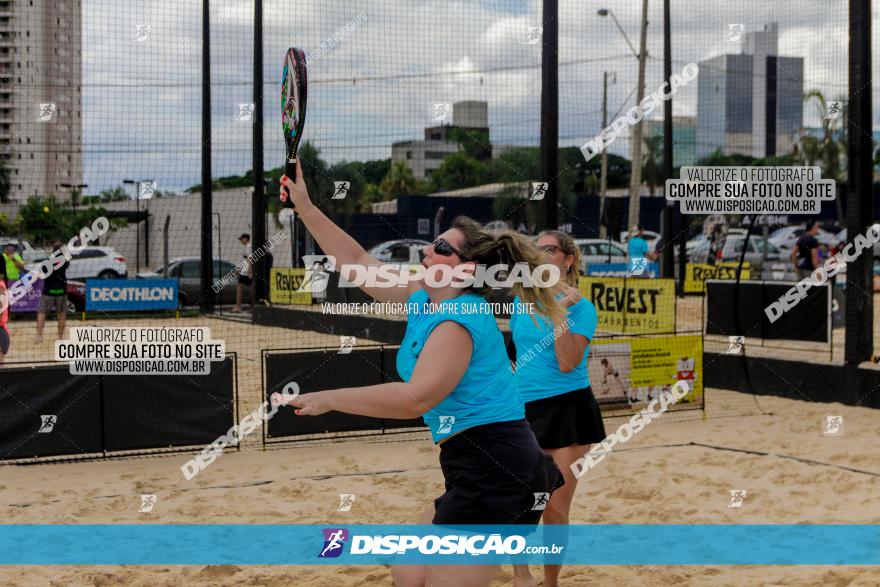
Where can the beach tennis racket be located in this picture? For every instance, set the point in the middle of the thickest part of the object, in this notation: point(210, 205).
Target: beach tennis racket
point(293, 110)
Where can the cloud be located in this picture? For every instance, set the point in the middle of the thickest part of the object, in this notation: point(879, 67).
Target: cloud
point(377, 84)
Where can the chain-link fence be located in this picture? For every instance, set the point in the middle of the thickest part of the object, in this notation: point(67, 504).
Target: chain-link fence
point(416, 114)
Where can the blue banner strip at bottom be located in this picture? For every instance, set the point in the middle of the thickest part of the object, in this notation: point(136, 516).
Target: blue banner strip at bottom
point(182, 544)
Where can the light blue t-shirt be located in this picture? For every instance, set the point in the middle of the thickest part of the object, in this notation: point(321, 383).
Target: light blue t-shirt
point(637, 247)
point(485, 393)
point(537, 373)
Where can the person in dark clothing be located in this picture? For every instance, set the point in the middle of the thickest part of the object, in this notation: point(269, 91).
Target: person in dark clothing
point(805, 255)
point(54, 296)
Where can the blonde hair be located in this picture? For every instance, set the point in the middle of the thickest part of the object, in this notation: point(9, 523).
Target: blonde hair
point(569, 247)
point(509, 248)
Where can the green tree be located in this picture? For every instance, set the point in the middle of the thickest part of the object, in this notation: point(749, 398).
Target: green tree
point(460, 171)
point(517, 164)
point(8, 227)
point(831, 150)
point(375, 171)
point(474, 142)
point(652, 162)
point(399, 181)
point(44, 219)
point(117, 194)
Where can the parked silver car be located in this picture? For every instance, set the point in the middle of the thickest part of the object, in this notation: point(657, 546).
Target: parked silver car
point(596, 250)
point(733, 245)
point(188, 271)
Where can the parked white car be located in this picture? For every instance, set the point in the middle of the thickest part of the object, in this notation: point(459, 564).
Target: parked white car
point(597, 250)
point(97, 262)
point(405, 251)
point(786, 237)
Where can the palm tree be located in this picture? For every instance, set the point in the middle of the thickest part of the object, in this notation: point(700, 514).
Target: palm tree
point(826, 151)
point(399, 181)
point(652, 162)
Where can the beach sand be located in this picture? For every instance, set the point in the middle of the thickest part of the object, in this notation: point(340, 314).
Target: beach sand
point(395, 478)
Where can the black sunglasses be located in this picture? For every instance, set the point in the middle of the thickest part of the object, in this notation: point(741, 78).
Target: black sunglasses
point(442, 247)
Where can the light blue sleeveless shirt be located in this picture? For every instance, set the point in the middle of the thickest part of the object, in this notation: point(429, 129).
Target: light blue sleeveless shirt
point(537, 370)
point(485, 393)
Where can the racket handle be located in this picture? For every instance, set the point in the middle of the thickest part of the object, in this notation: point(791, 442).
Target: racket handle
point(290, 172)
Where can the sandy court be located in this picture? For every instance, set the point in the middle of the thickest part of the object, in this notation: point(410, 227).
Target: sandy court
point(663, 475)
point(647, 481)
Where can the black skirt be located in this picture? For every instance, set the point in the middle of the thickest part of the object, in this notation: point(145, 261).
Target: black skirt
point(566, 419)
point(493, 473)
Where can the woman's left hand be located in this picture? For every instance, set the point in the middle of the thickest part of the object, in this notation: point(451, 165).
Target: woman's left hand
point(311, 404)
point(572, 296)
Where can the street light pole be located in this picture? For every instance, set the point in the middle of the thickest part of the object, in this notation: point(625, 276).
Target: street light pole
point(635, 187)
point(603, 185)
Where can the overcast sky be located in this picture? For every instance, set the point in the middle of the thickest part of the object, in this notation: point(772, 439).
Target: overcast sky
point(142, 99)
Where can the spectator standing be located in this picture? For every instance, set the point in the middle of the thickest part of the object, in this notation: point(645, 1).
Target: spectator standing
point(54, 296)
point(245, 274)
point(13, 263)
point(805, 255)
point(637, 248)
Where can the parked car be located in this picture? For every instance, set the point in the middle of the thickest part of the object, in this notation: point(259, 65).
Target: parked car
point(188, 271)
point(596, 250)
point(698, 253)
point(28, 252)
point(786, 237)
point(405, 251)
point(701, 240)
point(76, 296)
point(97, 262)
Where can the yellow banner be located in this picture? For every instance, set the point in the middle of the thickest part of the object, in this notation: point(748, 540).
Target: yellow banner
point(283, 286)
point(696, 274)
point(632, 305)
point(640, 369)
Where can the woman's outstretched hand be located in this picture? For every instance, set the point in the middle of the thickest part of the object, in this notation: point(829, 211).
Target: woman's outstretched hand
point(311, 404)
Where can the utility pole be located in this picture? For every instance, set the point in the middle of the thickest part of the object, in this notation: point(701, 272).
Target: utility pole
point(668, 268)
point(260, 268)
point(550, 114)
point(635, 187)
point(206, 302)
point(603, 185)
point(859, 210)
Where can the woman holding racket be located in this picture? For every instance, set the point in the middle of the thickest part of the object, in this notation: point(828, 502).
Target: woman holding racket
point(552, 379)
point(457, 376)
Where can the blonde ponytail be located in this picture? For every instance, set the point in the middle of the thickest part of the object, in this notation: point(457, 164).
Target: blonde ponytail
point(508, 249)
